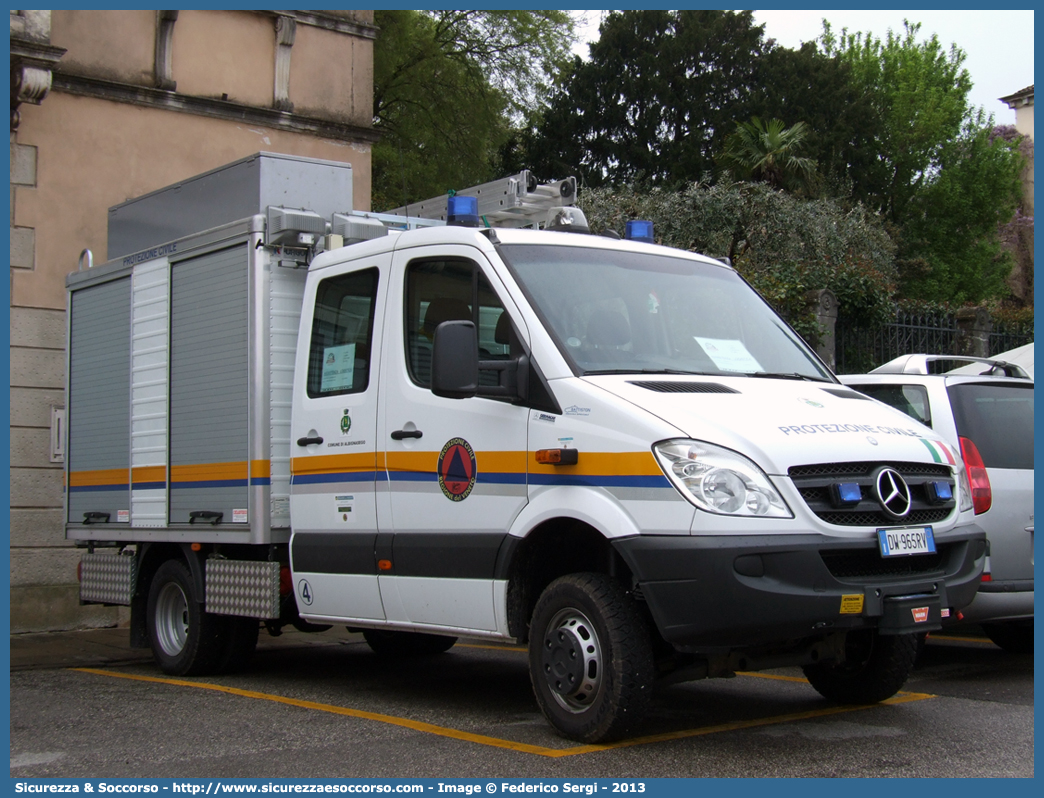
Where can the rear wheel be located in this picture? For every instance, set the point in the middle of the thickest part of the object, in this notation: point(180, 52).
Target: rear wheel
point(185, 640)
point(1015, 637)
point(590, 659)
point(875, 668)
point(406, 644)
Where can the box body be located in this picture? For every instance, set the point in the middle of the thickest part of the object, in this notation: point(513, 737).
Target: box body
point(179, 383)
point(227, 194)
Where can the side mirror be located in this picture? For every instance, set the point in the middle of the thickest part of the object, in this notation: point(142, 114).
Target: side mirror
point(454, 360)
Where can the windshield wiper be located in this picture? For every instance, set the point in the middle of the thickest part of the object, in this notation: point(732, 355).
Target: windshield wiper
point(792, 375)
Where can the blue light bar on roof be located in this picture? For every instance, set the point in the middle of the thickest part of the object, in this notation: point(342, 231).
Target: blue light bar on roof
point(462, 211)
point(639, 230)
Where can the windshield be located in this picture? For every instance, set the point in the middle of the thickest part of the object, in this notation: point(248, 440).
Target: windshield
point(611, 311)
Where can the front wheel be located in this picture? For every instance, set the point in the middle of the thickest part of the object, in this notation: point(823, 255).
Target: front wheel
point(590, 658)
point(185, 640)
point(875, 668)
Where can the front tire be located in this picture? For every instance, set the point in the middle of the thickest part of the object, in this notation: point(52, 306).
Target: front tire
point(590, 658)
point(875, 668)
point(185, 640)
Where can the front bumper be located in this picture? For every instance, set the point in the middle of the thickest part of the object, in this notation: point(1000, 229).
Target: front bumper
point(717, 593)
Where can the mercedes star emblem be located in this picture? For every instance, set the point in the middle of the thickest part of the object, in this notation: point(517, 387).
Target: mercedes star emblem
point(892, 492)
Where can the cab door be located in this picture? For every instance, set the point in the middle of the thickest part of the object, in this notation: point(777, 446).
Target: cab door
point(334, 442)
point(456, 468)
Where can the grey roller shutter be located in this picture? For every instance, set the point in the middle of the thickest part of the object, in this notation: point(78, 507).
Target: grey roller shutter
point(209, 385)
point(99, 402)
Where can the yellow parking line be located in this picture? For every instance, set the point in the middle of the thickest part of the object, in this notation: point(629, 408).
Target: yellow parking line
point(517, 649)
point(775, 676)
point(442, 731)
point(951, 638)
point(496, 742)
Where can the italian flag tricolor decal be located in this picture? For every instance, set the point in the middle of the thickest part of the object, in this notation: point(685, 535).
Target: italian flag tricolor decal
point(940, 451)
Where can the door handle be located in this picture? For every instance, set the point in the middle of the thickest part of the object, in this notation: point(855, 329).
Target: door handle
point(400, 434)
point(309, 441)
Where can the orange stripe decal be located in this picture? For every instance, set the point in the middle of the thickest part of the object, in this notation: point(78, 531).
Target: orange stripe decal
point(208, 471)
point(107, 476)
point(149, 474)
point(334, 463)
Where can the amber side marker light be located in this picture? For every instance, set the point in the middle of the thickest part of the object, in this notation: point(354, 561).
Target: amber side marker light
point(557, 456)
point(384, 565)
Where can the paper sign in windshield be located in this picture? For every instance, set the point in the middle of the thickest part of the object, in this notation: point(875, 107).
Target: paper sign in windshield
point(338, 368)
point(729, 355)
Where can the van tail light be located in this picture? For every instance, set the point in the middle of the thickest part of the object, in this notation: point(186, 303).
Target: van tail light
point(982, 493)
point(286, 581)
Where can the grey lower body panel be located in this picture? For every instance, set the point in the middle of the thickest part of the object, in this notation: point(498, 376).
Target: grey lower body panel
point(999, 606)
point(713, 593)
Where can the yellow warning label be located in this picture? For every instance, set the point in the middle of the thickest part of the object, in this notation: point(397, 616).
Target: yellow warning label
point(852, 604)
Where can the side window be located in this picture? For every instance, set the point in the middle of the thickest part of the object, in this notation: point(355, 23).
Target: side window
point(452, 290)
point(342, 330)
point(911, 399)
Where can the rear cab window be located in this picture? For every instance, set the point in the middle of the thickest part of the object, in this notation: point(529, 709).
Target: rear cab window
point(998, 419)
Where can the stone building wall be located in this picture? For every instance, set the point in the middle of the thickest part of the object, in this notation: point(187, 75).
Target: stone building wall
point(108, 105)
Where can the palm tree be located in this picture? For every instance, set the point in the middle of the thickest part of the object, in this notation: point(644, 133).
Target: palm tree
point(768, 152)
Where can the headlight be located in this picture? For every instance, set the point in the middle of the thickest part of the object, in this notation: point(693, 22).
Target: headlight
point(719, 480)
point(964, 486)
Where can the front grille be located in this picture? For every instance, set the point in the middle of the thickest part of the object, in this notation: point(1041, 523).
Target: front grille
point(814, 484)
point(868, 563)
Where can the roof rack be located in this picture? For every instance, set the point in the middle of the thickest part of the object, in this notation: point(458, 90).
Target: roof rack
point(515, 201)
point(921, 364)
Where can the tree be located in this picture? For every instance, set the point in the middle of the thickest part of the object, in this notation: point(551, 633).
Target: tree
point(951, 241)
point(655, 101)
point(447, 85)
point(768, 152)
point(943, 183)
point(808, 86)
point(919, 91)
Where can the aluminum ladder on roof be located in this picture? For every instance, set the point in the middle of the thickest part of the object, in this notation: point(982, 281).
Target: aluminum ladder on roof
point(515, 201)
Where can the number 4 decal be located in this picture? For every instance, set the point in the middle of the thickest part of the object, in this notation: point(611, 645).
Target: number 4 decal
point(305, 591)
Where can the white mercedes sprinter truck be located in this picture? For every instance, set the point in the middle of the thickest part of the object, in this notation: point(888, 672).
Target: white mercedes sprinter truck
point(494, 425)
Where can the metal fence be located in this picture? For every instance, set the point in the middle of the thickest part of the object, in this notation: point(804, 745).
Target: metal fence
point(860, 349)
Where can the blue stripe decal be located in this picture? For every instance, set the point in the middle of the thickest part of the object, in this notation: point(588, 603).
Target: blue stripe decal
point(96, 488)
point(345, 476)
point(149, 485)
point(211, 483)
point(600, 481)
point(596, 480)
point(413, 476)
point(260, 480)
point(501, 479)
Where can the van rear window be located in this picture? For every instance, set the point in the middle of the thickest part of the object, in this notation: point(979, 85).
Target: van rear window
point(998, 418)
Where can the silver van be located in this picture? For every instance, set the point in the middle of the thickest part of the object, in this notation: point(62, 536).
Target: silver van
point(984, 410)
